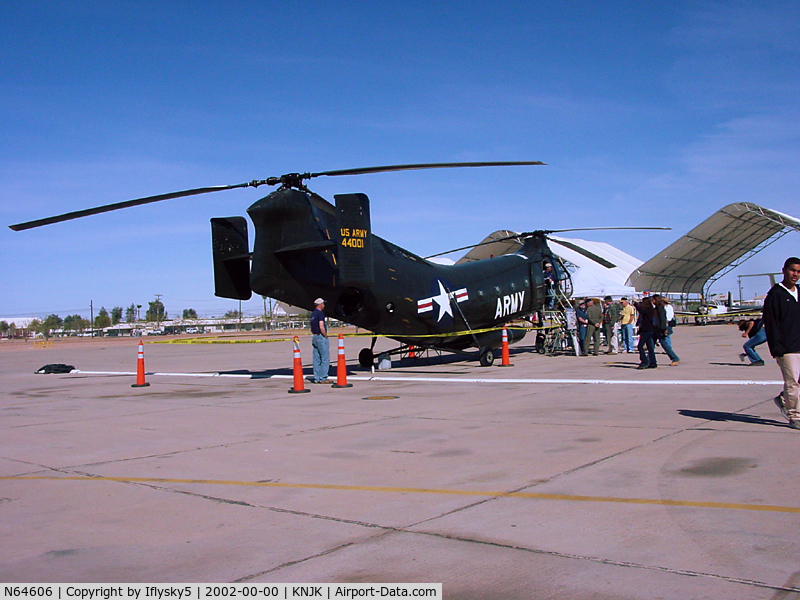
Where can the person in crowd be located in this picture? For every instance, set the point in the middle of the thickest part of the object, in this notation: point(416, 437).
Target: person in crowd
point(782, 321)
point(611, 316)
point(666, 321)
point(583, 322)
point(594, 314)
point(648, 332)
point(756, 335)
point(627, 319)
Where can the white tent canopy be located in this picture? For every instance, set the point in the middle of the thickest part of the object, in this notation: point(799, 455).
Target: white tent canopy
point(592, 278)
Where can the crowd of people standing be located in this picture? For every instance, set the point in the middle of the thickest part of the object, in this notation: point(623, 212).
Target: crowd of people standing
point(653, 316)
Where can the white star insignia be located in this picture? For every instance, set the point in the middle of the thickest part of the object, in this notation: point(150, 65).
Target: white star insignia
point(443, 300)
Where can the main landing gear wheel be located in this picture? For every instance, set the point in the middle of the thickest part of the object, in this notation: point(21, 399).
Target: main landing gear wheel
point(366, 358)
point(487, 357)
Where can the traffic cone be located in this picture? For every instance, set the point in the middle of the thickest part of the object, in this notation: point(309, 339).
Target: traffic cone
point(412, 352)
point(299, 386)
point(506, 359)
point(140, 382)
point(341, 367)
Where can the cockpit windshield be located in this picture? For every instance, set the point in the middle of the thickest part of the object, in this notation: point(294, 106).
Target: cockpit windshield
point(558, 267)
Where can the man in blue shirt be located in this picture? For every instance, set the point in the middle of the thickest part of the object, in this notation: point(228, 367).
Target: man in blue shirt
point(319, 341)
point(550, 284)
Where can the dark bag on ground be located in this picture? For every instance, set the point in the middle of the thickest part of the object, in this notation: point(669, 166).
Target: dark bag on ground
point(59, 368)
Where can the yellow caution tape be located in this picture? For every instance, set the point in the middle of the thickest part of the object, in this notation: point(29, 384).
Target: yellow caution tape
point(453, 334)
point(370, 335)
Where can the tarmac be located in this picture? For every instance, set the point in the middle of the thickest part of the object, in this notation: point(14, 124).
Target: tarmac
point(558, 477)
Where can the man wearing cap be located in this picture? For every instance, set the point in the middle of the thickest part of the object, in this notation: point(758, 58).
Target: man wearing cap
point(550, 283)
point(319, 341)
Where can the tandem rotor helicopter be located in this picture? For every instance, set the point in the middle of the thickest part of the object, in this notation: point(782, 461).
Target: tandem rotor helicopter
point(305, 247)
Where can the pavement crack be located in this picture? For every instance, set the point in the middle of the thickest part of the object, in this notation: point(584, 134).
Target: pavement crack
point(621, 563)
point(299, 561)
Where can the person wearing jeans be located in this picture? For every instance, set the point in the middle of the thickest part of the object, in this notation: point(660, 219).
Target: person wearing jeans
point(319, 342)
point(627, 319)
point(757, 335)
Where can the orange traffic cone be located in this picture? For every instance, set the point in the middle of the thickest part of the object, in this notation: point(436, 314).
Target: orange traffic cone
point(140, 382)
point(506, 360)
point(341, 367)
point(299, 386)
point(412, 352)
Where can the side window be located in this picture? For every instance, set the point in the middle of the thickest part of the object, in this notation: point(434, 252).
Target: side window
point(561, 271)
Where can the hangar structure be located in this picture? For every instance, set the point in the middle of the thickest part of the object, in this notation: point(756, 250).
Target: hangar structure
point(719, 244)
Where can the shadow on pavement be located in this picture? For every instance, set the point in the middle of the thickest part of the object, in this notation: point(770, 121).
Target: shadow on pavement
point(714, 415)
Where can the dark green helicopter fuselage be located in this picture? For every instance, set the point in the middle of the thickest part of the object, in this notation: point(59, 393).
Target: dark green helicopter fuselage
point(306, 248)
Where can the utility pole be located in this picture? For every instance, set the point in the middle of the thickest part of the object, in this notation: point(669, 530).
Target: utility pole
point(159, 313)
point(91, 319)
point(771, 280)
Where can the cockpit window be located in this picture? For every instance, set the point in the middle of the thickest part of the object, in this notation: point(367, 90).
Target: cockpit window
point(559, 268)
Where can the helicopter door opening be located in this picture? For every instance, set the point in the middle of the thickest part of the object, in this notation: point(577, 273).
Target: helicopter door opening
point(538, 292)
point(564, 288)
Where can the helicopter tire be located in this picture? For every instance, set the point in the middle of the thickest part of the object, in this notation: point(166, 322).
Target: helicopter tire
point(487, 357)
point(540, 340)
point(366, 358)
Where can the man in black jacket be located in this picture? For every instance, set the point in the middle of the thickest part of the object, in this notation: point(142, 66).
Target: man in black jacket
point(782, 324)
point(648, 332)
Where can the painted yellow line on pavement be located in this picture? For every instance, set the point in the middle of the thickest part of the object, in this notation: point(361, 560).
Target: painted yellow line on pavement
point(410, 490)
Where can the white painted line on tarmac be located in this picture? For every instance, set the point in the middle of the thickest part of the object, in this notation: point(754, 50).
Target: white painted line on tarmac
point(571, 381)
point(412, 379)
point(241, 375)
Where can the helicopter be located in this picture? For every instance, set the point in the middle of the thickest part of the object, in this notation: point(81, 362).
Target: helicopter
point(306, 247)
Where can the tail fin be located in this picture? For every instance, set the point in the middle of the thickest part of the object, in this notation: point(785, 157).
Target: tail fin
point(231, 258)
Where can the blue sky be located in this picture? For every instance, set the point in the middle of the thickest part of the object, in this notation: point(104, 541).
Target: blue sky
point(646, 115)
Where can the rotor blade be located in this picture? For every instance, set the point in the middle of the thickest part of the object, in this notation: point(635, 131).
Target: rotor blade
point(598, 259)
point(479, 244)
point(388, 168)
point(128, 203)
point(290, 180)
point(527, 234)
point(605, 229)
